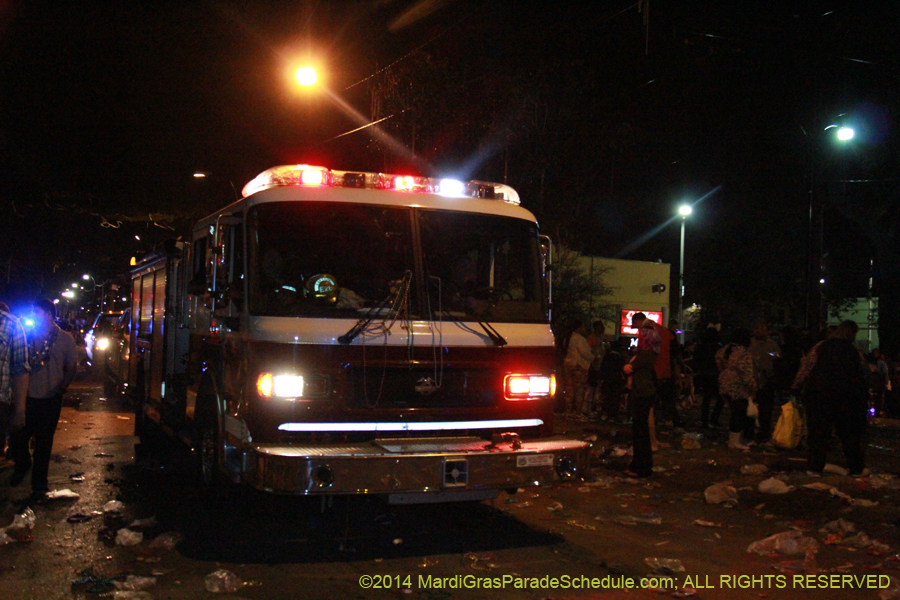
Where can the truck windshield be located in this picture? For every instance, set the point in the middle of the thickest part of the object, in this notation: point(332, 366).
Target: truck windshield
point(342, 260)
point(326, 259)
point(482, 267)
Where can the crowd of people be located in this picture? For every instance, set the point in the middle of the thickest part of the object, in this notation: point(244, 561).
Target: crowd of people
point(833, 382)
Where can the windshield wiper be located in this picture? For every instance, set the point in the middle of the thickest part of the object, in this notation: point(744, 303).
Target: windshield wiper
point(492, 333)
point(394, 299)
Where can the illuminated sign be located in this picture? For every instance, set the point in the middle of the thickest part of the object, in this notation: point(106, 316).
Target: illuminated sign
point(625, 327)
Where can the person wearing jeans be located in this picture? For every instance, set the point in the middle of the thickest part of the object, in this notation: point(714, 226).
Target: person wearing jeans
point(54, 361)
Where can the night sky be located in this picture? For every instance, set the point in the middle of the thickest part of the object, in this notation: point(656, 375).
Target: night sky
point(603, 115)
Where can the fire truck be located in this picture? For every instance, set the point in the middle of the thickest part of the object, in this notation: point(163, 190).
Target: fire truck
point(338, 332)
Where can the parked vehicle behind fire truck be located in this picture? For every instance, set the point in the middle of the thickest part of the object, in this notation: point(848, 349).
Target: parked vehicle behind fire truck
point(355, 333)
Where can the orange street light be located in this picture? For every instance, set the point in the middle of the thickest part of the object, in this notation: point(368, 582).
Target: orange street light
point(307, 76)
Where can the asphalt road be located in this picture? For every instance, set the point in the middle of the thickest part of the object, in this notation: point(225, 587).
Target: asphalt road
point(603, 532)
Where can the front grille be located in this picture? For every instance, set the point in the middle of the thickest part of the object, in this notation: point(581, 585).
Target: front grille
point(380, 387)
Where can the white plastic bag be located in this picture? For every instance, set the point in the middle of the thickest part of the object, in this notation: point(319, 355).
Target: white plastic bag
point(755, 469)
point(773, 485)
point(131, 595)
point(166, 541)
point(222, 581)
point(113, 506)
point(65, 494)
point(752, 408)
point(672, 565)
point(21, 526)
point(790, 542)
point(720, 492)
point(127, 537)
point(135, 583)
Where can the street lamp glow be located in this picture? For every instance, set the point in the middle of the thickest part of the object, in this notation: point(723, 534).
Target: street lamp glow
point(85, 276)
point(845, 134)
point(306, 76)
point(684, 210)
point(74, 285)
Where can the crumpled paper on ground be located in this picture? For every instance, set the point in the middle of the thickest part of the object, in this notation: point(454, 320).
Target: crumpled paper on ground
point(773, 485)
point(862, 540)
point(720, 492)
point(757, 469)
point(135, 583)
point(789, 542)
point(841, 526)
point(222, 580)
point(835, 469)
point(127, 537)
point(65, 494)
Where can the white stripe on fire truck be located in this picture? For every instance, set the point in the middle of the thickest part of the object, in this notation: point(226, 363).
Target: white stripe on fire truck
point(405, 426)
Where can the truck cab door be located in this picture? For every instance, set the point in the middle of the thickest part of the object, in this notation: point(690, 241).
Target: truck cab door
point(547, 262)
point(228, 282)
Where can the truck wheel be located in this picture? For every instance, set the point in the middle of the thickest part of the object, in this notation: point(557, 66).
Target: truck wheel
point(214, 485)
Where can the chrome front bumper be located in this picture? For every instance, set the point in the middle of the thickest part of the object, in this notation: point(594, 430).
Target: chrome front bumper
point(443, 469)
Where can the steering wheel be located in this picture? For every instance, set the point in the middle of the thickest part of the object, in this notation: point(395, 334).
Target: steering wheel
point(492, 294)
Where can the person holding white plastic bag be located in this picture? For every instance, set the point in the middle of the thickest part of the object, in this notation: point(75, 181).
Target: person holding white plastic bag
point(737, 384)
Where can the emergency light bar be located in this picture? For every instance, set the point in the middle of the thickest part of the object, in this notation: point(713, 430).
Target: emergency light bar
point(313, 176)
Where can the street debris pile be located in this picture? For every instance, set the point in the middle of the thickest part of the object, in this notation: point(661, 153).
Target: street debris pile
point(20, 528)
point(795, 543)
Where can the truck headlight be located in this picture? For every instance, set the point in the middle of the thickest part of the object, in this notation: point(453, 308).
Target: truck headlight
point(529, 387)
point(287, 387)
point(102, 343)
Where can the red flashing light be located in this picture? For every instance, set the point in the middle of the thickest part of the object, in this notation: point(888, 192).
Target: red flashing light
point(312, 177)
point(404, 183)
point(315, 176)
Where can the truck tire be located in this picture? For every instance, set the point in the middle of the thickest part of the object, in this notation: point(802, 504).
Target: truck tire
point(214, 484)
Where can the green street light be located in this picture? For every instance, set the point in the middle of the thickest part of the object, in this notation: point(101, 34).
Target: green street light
point(833, 134)
point(842, 133)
